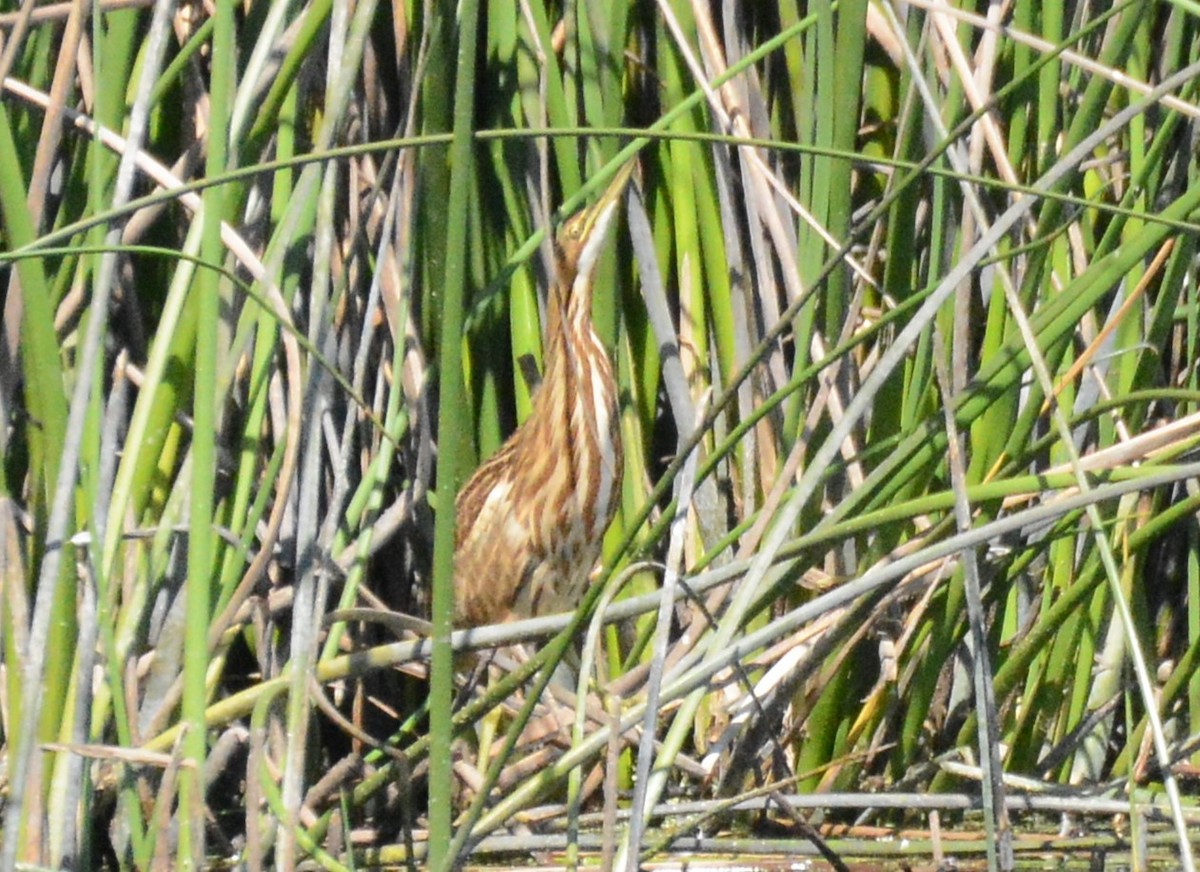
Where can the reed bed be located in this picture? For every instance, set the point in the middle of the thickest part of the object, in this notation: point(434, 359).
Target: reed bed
point(904, 312)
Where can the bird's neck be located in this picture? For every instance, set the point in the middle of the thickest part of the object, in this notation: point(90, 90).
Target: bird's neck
point(579, 393)
point(576, 364)
point(569, 326)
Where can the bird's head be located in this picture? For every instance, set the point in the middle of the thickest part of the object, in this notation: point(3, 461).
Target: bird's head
point(581, 237)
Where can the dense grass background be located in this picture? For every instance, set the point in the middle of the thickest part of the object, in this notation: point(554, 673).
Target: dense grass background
point(904, 313)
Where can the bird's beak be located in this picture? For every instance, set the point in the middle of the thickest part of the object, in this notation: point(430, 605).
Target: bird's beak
point(599, 216)
point(610, 197)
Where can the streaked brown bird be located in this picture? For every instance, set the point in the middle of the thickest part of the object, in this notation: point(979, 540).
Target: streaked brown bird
point(531, 520)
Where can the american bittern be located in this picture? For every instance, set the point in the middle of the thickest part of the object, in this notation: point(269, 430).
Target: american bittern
point(531, 521)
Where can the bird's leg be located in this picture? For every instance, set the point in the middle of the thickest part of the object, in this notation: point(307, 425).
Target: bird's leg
point(554, 716)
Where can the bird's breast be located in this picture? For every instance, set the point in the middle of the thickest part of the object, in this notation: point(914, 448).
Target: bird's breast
point(532, 520)
point(596, 438)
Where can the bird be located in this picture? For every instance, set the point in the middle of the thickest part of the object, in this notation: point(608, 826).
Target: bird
point(530, 522)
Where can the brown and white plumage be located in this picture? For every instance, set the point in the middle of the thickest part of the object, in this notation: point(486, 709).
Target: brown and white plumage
point(531, 520)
